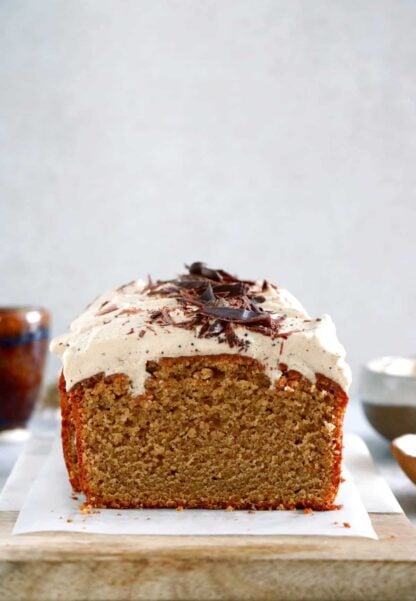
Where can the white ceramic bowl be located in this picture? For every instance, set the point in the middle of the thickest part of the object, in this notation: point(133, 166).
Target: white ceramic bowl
point(388, 394)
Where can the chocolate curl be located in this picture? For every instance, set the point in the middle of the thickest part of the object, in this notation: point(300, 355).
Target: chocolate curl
point(243, 316)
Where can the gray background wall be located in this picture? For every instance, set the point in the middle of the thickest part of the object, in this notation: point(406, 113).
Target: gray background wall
point(274, 138)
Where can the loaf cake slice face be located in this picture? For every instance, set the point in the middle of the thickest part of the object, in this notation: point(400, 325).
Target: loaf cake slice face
point(215, 418)
point(210, 432)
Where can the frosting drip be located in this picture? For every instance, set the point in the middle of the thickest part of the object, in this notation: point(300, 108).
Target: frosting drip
point(205, 312)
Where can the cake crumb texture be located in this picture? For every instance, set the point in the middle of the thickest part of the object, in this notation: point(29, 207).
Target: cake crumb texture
point(208, 432)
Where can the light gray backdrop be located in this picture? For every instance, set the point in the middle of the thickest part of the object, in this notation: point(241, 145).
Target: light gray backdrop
point(273, 138)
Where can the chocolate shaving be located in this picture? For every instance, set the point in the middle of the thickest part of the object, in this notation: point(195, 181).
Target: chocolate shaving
point(233, 289)
point(214, 302)
point(130, 311)
point(208, 294)
point(150, 282)
point(189, 324)
point(124, 286)
point(199, 268)
point(162, 317)
point(217, 275)
point(191, 284)
point(106, 310)
point(166, 317)
point(204, 329)
point(238, 315)
point(231, 336)
point(285, 335)
point(215, 328)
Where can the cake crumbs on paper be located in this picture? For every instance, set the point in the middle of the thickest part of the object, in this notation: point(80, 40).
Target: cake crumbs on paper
point(85, 508)
point(251, 512)
point(229, 508)
point(69, 520)
point(346, 524)
point(179, 508)
point(335, 523)
point(308, 511)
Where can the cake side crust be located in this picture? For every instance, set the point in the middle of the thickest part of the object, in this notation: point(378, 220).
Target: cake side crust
point(68, 435)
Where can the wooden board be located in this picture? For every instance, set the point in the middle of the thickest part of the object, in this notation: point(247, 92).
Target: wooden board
point(72, 566)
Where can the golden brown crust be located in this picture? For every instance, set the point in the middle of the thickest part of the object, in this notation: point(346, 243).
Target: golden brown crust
point(68, 435)
point(324, 383)
point(97, 501)
point(73, 420)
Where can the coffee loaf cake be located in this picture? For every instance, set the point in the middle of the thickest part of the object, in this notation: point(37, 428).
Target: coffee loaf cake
point(204, 391)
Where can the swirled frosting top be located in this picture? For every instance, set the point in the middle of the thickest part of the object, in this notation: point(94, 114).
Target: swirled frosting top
point(203, 312)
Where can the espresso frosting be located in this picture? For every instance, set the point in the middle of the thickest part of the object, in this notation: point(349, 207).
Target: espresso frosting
point(203, 312)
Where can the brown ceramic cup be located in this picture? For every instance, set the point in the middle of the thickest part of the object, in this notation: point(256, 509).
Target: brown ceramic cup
point(24, 333)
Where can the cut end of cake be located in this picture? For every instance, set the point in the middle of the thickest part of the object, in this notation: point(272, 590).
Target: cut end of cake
point(209, 432)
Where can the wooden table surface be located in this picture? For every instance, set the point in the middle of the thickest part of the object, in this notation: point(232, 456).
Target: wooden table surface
point(74, 566)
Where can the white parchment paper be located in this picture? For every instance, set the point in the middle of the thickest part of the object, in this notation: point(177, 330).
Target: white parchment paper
point(50, 506)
